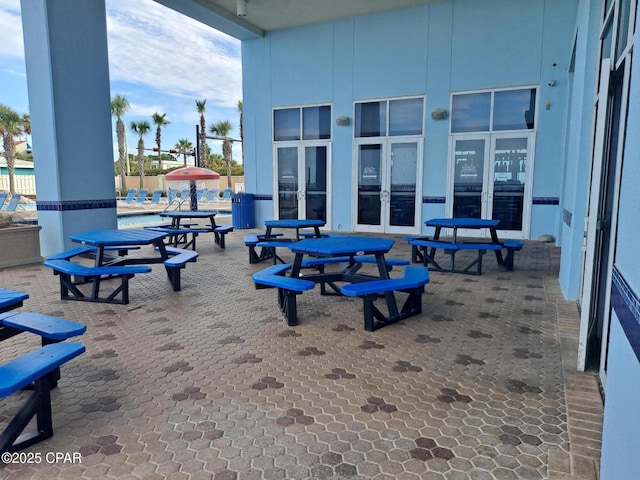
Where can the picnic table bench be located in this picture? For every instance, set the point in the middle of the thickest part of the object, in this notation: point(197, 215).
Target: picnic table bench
point(176, 262)
point(412, 283)
point(429, 248)
point(33, 367)
point(252, 241)
point(288, 288)
point(69, 290)
point(50, 329)
point(11, 299)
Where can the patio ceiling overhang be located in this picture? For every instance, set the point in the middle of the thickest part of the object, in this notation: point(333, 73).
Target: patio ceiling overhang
point(267, 15)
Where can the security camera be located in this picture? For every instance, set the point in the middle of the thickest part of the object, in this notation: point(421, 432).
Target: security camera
point(551, 83)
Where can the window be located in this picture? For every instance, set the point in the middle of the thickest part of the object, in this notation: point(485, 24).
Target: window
point(306, 123)
point(405, 117)
point(371, 119)
point(471, 112)
point(493, 111)
point(514, 109)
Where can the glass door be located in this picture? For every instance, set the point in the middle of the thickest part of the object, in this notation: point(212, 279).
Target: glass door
point(469, 172)
point(315, 182)
point(510, 183)
point(369, 193)
point(491, 180)
point(287, 181)
point(302, 163)
point(302, 174)
point(387, 194)
point(401, 194)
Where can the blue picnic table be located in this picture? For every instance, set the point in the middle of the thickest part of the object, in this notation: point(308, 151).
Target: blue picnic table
point(294, 223)
point(102, 239)
point(424, 249)
point(352, 251)
point(178, 230)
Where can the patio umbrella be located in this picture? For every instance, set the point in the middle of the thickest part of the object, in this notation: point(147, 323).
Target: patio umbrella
point(191, 174)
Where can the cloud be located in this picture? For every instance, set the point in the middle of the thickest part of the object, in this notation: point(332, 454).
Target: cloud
point(11, 44)
point(153, 45)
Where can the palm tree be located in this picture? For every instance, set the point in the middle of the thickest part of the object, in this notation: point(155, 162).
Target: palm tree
point(10, 127)
point(184, 148)
point(141, 128)
point(160, 122)
point(241, 129)
point(201, 107)
point(222, 129)
point(119, 106)
point(26, 124)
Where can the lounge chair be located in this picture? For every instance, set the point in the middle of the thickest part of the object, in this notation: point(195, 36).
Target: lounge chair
point(13, 203)
point(131, 195)
point(226, 195)
point(212, 195)
point(155, 198)
point(3, 198)
point(142, 197)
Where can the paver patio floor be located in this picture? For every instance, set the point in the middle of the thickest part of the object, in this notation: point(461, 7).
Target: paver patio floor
point(210, 382)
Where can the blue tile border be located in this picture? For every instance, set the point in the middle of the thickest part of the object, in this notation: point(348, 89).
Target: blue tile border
point(627, 307)
point(567, 217)
point(545, 201)
point(442, 200)
point(66, 205)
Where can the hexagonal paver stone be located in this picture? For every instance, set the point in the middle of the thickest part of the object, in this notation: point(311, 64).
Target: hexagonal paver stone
point(424, 442)
point(331, 458)
point(346, 470)
point(421, 454)
point(442, 452)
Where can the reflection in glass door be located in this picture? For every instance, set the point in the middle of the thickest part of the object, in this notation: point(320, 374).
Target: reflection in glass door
point(509, 174)
point(403, 167)
point(369, 185)
point(315, 192)
point(287, 160)
point(468, 177)
point(302, 182)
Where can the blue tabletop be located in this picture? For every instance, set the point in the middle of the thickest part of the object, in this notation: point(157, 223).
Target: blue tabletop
point(294, 223)
point(188, 214)
point(333, 246)
point(9, 298)
point(118, 237)
point(462, 222)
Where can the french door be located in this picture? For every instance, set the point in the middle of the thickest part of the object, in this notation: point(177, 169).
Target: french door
point(387, 198)
point(491, 177)
point(302, 173)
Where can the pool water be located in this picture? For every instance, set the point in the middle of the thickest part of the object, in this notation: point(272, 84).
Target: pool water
point(143, 219)
point(125, 221)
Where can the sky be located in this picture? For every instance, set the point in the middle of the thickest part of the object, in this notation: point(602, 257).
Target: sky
point(159, 60)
